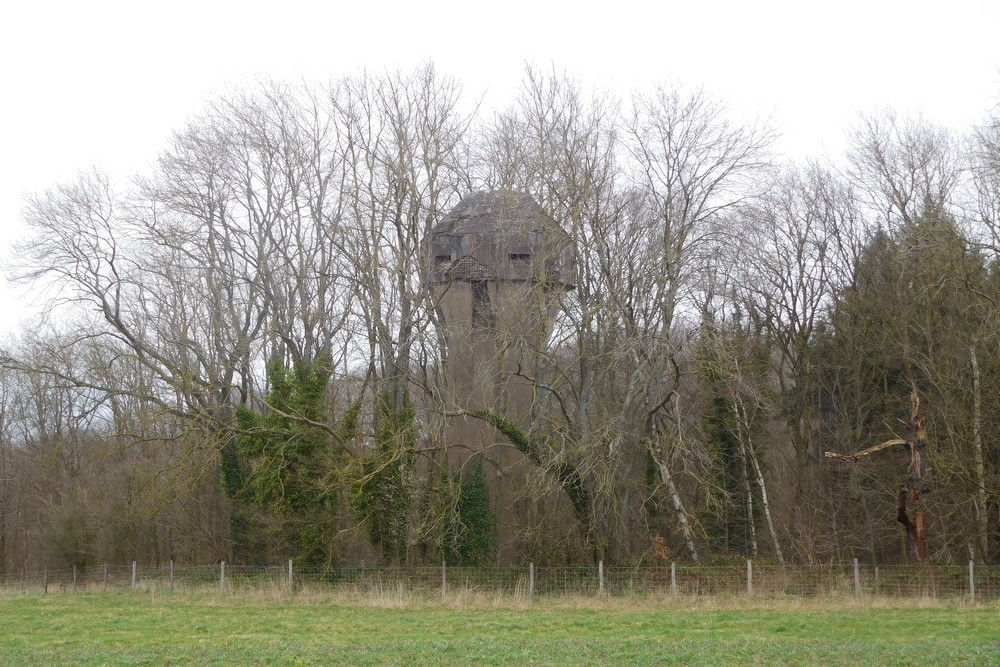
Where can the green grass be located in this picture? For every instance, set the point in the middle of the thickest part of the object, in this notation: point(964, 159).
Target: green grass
point(145, 629)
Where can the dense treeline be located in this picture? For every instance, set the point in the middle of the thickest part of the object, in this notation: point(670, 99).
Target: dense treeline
point(242, 358)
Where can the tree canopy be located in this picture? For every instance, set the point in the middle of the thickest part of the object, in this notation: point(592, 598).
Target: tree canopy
point(243, 356)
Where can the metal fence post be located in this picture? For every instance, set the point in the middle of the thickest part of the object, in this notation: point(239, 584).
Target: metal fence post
point(749, 577)
point(600, 577)
point(222, 577)
point(133, 575)
point(171, 576)
point(290, 589)
point(857, 579)
point(531, 580)
point(105, 576)
point(673, 578)
point(444, 578)
point(45, 580)
point(74, 578)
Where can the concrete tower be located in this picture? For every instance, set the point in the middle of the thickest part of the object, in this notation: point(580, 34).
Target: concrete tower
point(500, 265)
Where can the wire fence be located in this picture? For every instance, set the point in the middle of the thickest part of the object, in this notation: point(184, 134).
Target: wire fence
point(972, 582)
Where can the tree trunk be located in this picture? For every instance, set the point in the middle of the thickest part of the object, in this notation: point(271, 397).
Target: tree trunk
point(982, 508)
point(661, 458)
point(675, 498)
point(767, 507)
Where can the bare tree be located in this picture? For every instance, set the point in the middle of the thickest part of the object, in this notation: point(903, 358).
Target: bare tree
point(902, 166)
point(690, 163)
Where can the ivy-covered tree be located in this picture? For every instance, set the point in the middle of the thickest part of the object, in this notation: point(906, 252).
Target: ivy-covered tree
point(470, 537)
point(283, 461)
point(383, 493)
point(734, 366)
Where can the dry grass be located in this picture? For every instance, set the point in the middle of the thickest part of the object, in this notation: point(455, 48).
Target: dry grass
point(388, 594)
point(400, 597)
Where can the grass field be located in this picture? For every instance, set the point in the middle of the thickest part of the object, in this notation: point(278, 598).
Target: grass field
point(145, 629)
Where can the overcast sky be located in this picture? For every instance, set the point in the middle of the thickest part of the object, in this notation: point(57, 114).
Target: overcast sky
point(104, 83)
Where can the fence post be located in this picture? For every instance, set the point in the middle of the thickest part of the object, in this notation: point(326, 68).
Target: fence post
point(876, 580)
point(171, 575)
point(45, 580)
point(290, 589)
point(857, 579)
point(133, 575)
point(74, 578)
point(673, 578)
point(600, 577)
point(749, 577)
point(531, 580)
point(444, 578)
point(222, 577)
point(972, 582)
point(105, 576)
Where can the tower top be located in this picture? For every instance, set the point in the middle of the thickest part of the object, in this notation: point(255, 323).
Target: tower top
point(501, 235)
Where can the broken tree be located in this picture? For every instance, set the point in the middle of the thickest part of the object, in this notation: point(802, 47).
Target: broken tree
point(915, 487)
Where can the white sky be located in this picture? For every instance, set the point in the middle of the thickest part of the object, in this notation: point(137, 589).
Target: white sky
point(105, 82)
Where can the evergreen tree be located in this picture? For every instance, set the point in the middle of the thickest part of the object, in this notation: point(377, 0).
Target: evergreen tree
point(733, 366)
point(908, 320)
point(470, 537)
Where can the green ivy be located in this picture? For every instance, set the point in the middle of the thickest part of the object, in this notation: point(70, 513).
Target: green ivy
point(566, 473)
point(280, 462)
point(384, 491)
point(470, 537)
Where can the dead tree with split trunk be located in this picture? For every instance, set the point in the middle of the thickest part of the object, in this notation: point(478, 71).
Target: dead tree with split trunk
point(915, 487)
